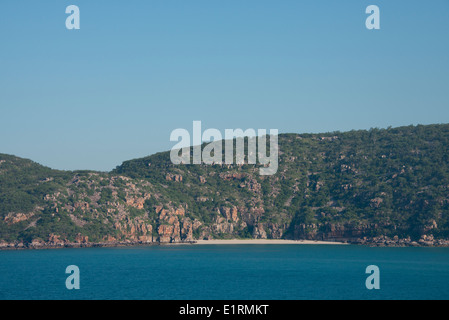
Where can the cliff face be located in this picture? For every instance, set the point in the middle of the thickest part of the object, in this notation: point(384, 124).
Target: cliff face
point(378, 187)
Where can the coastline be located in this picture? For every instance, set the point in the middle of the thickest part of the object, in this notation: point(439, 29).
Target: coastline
point(264, 241)
point(382, 241)
point(373, 242)
point(41, 246)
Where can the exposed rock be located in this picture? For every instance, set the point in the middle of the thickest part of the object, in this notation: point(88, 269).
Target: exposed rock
point(135, 229)
point(187, 230)
point(221, 225)
point(13, 218)
point(137, 202)
point(165, 233)
point(145, 239)
point(173, 177)
point(259, 232)
point(81, 239)
point(159, 209)
point(54, 240)
point(232, 176)
point(376, 202)
point(231, 214)
point(37, 243)
point(180, 211)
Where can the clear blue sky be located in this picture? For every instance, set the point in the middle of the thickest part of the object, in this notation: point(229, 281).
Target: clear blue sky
point(115, 89)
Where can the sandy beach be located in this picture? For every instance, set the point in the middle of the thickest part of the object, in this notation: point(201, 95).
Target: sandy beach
point(265, 241)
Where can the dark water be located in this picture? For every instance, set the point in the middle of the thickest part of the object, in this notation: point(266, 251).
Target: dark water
point(226, 272)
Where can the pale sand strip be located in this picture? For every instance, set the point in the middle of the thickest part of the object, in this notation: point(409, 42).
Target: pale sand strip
point(263, 241)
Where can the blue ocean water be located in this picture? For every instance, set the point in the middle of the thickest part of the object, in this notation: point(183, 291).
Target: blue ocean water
point(228, 272)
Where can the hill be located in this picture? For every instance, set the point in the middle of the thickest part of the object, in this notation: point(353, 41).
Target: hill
point(380, 186)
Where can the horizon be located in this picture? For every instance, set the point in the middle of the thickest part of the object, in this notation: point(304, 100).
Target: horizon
point(117, 87)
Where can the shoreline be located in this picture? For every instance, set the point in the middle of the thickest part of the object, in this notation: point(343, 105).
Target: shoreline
point(264, 241)
point(43, 246)
point(375, 242)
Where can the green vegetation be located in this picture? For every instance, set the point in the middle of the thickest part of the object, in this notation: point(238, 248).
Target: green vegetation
point(390, 181)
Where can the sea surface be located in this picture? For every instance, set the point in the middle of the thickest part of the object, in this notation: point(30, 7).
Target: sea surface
point(226, 272)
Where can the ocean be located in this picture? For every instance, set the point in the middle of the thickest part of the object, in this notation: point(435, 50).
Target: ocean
point(226, 272)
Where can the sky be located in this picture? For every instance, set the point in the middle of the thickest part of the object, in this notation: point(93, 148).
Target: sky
point(115, 89)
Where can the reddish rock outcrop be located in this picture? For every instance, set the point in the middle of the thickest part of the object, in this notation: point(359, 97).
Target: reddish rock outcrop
point(54, 240)
point(13, 218)
point(173, 177)
point(137, 202)
point(165, 233)
point(231, 214)
point(81, 239)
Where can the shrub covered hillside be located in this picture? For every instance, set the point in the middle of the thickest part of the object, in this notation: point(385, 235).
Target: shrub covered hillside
point(388, 186)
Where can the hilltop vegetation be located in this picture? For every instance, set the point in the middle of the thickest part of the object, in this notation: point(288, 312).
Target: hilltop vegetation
point(336, 186)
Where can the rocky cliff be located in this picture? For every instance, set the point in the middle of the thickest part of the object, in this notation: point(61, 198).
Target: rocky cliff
point(376, 187)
